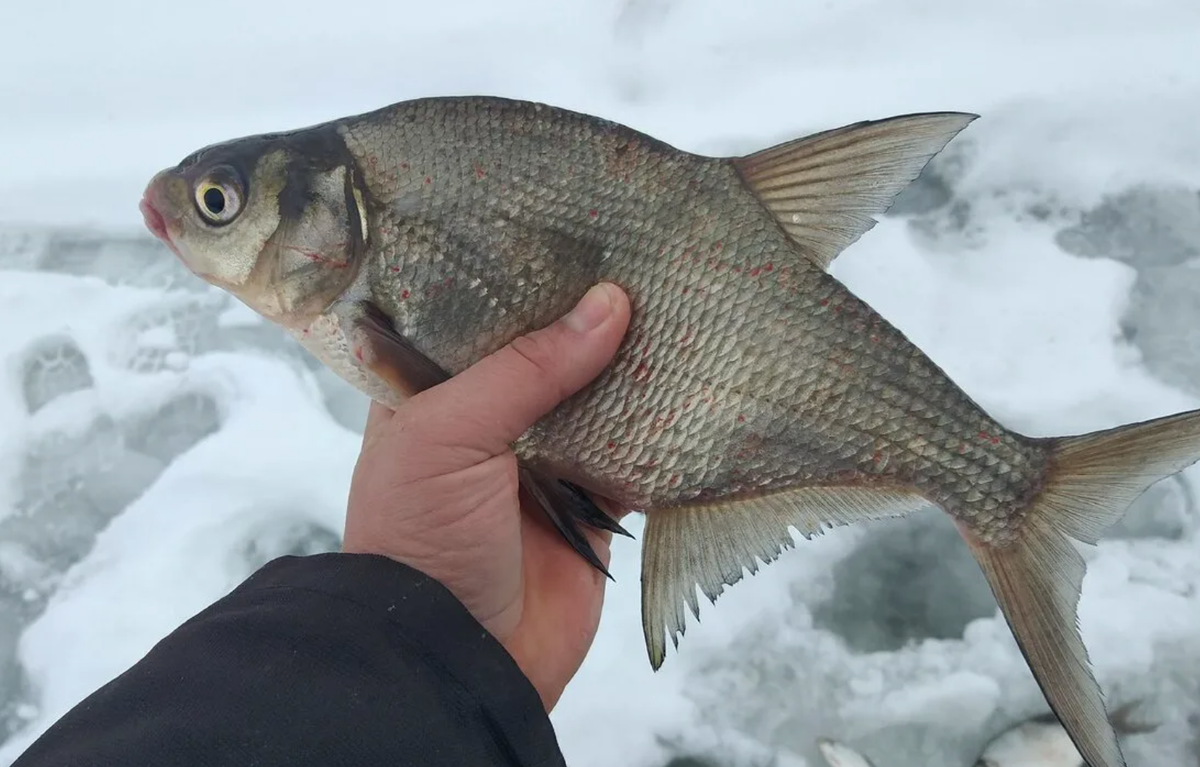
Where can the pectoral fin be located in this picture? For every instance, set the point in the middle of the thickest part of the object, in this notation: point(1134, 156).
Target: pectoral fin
point(710, 544)
point(393, 357)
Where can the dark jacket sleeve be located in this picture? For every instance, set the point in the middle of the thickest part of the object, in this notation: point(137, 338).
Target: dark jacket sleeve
point(333, 659)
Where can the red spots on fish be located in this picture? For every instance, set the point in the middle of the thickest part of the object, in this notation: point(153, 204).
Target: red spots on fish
point(688, 336)
point(439, 287)
point(428, 179)
point(755, 271)
point(358, 353)
point(646, 350)
point(769, 267)
point(687, 403)
point(305, 332)
point(479, 172)
point(674, 480)
point(405, 294)
point(686, 290)
point(372, 160)
point(824, 302)
point(612, 445)
point(661, 251)
point(874, 339)
point(962, 448)
point(403, 165)
point(663, 422)
point(718, 245)
point(877, 457)
point(983, 435)
point(741, 419)
point(784, 278)
point(395, 268)
point(737, 270)
point(641, 374)
point(838, 309)
point(593, 213)
point(320, 258)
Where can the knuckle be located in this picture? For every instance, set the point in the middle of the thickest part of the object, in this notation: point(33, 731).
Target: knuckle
point(538, 354)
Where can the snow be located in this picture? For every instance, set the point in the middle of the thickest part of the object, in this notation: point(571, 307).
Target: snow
point(152, 432)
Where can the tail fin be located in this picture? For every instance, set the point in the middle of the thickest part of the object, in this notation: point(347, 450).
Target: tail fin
point(1091, 482)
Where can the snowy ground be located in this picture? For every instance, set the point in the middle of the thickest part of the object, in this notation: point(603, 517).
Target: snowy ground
point(1049, 261)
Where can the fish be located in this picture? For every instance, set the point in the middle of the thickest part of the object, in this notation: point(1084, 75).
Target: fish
point(1039, 741)
point(837, 754)
point(753, 392)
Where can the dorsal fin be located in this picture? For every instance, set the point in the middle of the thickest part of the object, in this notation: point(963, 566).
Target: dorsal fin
point(826, 189)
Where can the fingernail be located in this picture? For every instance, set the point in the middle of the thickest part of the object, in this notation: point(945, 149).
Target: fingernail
point(591, 310)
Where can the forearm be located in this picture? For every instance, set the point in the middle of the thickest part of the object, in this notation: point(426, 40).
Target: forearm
point(329, 659)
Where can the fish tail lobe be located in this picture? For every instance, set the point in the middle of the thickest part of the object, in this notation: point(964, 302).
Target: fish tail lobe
point(1089, 484)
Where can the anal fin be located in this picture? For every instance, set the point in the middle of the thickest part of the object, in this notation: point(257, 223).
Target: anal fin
point(710, 544)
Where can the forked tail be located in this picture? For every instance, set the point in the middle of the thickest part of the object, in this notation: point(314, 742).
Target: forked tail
point(1091, 481)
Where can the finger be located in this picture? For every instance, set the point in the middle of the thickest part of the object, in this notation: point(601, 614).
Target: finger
point(502, 395)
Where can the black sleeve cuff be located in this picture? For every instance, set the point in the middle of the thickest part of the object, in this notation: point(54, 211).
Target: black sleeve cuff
point(326, 659)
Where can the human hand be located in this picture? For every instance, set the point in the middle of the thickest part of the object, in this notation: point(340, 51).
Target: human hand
point(436, 488)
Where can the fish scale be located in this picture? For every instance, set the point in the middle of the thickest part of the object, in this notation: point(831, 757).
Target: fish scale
point(753, 393)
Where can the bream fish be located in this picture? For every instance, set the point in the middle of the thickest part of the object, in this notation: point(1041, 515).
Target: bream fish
point(753, 391)
point(1039, 741)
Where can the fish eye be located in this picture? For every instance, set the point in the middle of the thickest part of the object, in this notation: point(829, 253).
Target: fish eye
point(219, 195)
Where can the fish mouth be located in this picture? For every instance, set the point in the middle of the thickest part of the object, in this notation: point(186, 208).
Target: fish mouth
point(155, 221)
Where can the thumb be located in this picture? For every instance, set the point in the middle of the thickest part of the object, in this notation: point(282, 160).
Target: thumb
point(498, 398)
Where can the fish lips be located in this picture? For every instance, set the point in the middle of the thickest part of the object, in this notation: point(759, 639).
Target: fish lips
point(152, 204)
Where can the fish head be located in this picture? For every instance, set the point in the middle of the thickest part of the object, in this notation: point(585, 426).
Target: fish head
point(278, 221)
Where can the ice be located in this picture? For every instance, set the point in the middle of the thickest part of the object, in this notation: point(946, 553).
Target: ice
point(908, 580)
point(152, 429)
